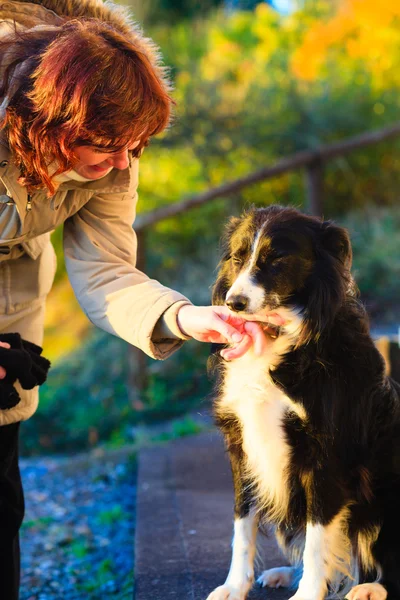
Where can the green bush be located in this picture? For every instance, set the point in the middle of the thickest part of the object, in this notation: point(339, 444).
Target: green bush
point(87, 392)
point(376, 260)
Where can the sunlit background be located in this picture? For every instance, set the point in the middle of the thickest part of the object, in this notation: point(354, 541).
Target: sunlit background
point(254, 83)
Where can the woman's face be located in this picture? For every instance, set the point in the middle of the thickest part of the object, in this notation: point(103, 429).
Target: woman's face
point(94, 164)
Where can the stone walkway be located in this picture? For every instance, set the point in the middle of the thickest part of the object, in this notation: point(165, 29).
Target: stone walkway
point(184, 522)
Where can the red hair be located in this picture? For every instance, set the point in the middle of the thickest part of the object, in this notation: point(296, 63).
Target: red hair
point(81, 83)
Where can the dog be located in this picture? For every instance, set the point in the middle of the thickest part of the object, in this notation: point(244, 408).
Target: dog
point(312, 426)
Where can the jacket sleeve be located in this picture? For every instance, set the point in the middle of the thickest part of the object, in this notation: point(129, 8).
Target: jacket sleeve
point(100, 254)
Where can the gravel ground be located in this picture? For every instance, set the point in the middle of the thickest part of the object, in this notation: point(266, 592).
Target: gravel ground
point(78, 533)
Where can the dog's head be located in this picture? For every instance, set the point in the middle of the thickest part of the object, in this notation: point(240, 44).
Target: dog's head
point(293, 267)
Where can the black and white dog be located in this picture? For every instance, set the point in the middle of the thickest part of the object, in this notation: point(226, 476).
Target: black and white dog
point(313, 425)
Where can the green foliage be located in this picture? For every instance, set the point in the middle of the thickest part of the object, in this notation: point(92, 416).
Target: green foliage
point(88, 392)
point(40, 523)
point(105, 571)
point(80, 548)
point(113, 515)
point(376, 259)
point(241, 105)
point(169, 11)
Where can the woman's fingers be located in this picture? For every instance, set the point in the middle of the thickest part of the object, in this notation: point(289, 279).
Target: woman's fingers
point(237, 350)
point(5, 345)
point(254, 336)
point(230, 332)
point(261, 341)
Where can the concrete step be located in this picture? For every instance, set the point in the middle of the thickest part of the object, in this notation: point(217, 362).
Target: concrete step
point(184, 522)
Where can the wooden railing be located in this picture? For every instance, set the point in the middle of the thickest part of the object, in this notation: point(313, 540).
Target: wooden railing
point(311, 161)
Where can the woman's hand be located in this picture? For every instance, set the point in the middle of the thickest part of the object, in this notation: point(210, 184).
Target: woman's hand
point(2, 370)
point(216, 324)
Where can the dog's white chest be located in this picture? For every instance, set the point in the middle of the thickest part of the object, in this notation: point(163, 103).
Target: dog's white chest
point(260, 407)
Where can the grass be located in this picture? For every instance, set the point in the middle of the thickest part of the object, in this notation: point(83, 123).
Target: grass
point(113, 515)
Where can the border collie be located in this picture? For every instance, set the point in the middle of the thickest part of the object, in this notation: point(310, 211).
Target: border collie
point(312, 426)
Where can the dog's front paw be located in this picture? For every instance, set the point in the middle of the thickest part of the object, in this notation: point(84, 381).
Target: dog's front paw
point(229, 592)
point(367, 591)
point(278, 577)
point(309, 595)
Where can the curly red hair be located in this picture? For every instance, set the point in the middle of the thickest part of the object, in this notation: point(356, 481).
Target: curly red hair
point(80, 83)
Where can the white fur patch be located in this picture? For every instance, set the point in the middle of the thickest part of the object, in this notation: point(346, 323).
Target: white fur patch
point(313, 582)
point(278, 577)
point(245, 285)
point(241, 573)
point(260, 407)
point(327, 559)
point(367, 591)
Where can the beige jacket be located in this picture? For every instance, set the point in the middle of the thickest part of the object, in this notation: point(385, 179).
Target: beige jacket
point(99, 241)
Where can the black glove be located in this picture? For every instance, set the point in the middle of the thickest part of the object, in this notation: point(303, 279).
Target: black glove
point(22, 361)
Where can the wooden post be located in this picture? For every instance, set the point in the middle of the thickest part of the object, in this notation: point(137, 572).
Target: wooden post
point(315, 187)
point(137, 360)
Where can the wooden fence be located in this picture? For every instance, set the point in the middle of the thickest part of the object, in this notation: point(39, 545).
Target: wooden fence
point(311, 161)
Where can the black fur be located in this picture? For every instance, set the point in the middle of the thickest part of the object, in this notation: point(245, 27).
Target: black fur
point(349, 444)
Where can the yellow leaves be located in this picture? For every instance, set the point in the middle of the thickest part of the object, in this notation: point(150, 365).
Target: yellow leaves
point(240, 48)
point(264, 50)
point(220, 60)
point(365, 30)
point(310, 56)
point(265, 19)
point(374, 14)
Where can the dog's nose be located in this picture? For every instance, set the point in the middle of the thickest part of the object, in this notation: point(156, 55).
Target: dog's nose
point(237, 303)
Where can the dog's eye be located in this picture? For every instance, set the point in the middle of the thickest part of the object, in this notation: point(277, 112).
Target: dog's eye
point(277, 257)
point(237, 260)
point(276, 260)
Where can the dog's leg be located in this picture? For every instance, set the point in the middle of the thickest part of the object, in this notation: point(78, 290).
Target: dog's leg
point(313, 584)
point(241, 573)
point(326, 557)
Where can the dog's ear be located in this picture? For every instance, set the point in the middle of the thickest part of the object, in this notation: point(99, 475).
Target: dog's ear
point(231, 227)
point(222, 284)
point(336, 241)
point(330, 280)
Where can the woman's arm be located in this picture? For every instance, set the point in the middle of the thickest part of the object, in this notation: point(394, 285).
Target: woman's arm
point(100, 249)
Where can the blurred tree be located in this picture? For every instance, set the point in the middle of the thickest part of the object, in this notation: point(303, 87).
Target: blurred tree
point(252, 87)
point(169, 11)
point(245, 4)
point(186, 9)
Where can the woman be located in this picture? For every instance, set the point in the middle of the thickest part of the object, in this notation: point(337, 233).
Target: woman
point(82, 93)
